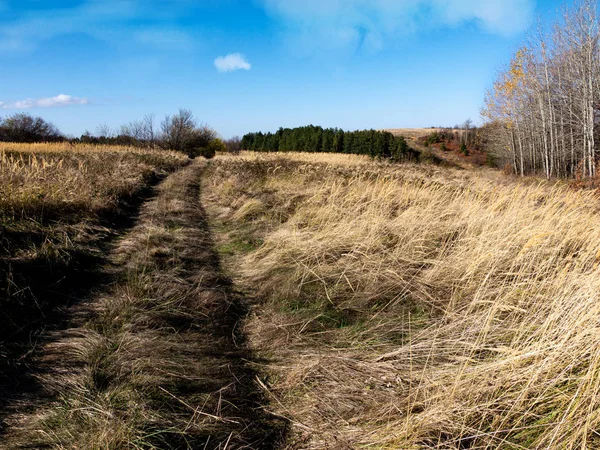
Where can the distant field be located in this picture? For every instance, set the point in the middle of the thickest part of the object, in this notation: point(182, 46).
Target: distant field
point(414, 133)
point(415, 306)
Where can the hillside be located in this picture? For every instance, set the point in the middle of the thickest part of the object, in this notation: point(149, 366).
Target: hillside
point(411, 134)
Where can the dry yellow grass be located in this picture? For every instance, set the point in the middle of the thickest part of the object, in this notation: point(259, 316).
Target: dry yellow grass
point(413, 133)
point(41, 182)
point(418, 307)
point(154, 360)
point(332, 159)
point(60, 205)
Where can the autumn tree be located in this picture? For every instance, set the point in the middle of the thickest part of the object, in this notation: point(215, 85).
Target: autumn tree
point(545, 105)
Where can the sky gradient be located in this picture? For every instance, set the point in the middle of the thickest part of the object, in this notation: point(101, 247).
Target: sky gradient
point(248, 65)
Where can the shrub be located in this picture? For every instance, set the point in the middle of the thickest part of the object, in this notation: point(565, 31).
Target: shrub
point(210, 150)
point(23, 127)
point(464, 150)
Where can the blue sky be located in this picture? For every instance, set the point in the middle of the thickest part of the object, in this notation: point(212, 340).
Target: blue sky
point(247, 65)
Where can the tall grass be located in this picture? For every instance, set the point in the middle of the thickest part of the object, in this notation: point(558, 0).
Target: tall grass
point(61, 181)
point(155, 359)
point(419, 307)
point(59, 205)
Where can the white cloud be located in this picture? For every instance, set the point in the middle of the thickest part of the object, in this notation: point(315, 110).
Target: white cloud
point(370, 23)
point(49, 102)
point(232, 62)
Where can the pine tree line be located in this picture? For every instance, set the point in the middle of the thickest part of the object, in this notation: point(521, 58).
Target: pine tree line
point(377, 144)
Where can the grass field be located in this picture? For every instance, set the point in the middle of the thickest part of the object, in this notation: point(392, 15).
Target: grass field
point(58, 201)
point(412, 133)
point(297, 301)
point(118, 328)
point(415, 306)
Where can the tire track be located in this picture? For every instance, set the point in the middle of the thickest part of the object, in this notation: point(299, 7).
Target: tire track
point(155, 359)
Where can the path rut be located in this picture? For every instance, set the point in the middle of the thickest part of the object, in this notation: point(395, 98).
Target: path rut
point(156, 358)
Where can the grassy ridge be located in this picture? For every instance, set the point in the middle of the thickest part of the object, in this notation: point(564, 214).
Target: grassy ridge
point(417, 307)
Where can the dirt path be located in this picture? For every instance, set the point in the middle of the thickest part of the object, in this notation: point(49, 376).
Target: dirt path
point(156, 358)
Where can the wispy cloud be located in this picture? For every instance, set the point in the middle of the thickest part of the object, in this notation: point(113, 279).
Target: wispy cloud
point(370, 23)
point(232, 62)
point(165, 39)
point(47, 102)
point(105, 20)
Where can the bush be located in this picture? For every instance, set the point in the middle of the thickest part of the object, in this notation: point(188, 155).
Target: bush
point(214, 146)
point(491, 160)
point(433, 138)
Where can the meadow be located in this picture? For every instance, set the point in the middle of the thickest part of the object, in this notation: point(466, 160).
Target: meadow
point(415, 306)
point(293, 300)
point(118, 329)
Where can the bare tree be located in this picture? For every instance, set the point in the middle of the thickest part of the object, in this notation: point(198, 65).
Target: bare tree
point(181, 132)
point(176, 129)
point(104, 131)
point(149, 129)
point(133, 130)
point(234, 145)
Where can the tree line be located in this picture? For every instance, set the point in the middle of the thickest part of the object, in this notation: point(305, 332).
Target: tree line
point(180, 132)
point(377, 144)
point(543, 109)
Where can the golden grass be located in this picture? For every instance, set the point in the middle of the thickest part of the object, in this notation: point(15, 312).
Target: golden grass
point(54, 196)
point(333, 159)
point(51, 181)
point(415, 133)
point(419, 307)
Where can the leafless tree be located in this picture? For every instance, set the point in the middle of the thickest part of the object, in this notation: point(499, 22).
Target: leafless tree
point(182, 133)
point(22, 127)
point(234, 145)
point(104, 131)
point(546, 103)
point(149, 129)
